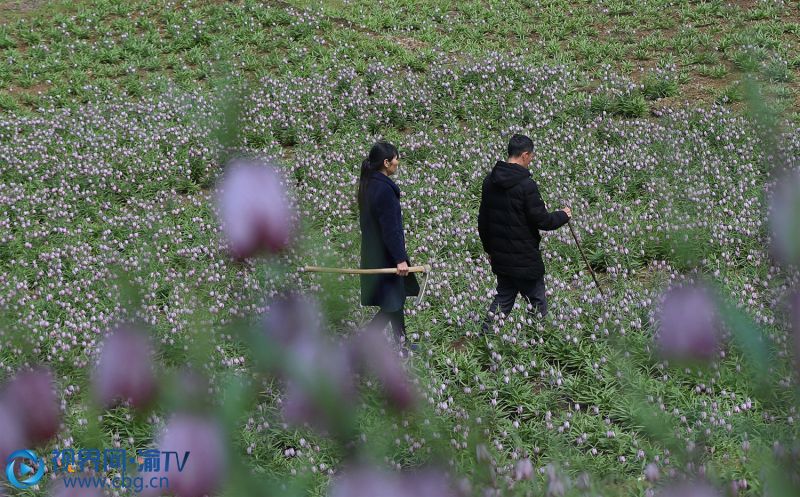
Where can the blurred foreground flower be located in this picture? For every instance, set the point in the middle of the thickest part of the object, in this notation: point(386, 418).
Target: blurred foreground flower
point(482, 454)
point(32, 398)
point(794, 316)
point(203, 471)
point(11, 434)
point(373, 482)
point(736, 486)
point(795, 310)
point(319, 378)
point(556, 483)
point(320, 385)
point(255, 209)
point(523, 470)
point(689, 325)
point(652, 473)
point(689, 489)
point(373, 353)
point(290, 318)
point(125, 370)
point(785, 219)
point(194, 385)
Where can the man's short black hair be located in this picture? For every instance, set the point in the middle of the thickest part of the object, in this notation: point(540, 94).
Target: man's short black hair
point(519, 144)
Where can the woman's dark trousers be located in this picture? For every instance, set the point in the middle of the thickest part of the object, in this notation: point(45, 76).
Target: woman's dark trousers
point(397, 318)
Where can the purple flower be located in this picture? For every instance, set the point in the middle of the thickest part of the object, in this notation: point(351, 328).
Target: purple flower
point(794, 313)
point(192, 384)
point(556, 486)
point(319, 371)
point(688, 324)
point(255, 209)
point(689, 489)
point(784, 219)
point(523, 470)
point(652, 473)
point(12, 434)
point(428, 482)
point(795, 310)
point(125, 370)
point(366, 482)
point(371, 349)
point(290, 318)
point(299, 408)
point(32, 397)
point(313, 368)
point(482, 454)
point(203, 471)
point(736, 486)
point(373, 482)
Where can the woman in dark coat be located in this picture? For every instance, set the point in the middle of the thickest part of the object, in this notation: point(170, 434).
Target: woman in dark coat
point(382, 238)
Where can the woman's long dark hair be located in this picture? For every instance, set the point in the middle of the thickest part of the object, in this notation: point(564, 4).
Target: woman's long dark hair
point(380, 151)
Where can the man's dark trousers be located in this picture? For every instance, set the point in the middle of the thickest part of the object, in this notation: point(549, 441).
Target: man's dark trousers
point(507, 289)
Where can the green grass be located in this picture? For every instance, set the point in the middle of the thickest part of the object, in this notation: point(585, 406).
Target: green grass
point(56, 47)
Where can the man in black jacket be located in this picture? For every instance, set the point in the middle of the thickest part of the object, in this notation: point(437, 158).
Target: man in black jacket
point(511, 214)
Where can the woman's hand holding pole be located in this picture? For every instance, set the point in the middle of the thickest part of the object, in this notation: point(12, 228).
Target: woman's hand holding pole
point(402, 268)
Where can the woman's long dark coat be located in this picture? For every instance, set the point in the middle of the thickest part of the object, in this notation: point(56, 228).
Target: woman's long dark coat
point(383, 245)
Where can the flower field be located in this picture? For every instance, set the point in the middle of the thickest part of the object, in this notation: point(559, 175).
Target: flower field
point(118, 123)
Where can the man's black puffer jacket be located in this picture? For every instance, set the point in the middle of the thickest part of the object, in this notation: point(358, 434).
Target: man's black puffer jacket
point(511, 214)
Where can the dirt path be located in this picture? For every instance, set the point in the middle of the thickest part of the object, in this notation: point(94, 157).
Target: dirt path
point(14, 7)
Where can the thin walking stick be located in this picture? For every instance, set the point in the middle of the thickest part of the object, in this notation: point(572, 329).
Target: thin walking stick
point(574, 237)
